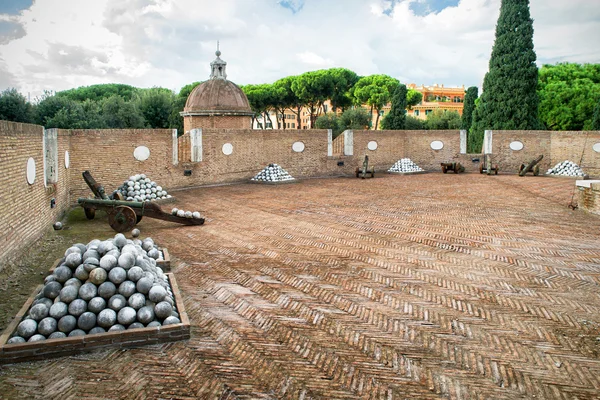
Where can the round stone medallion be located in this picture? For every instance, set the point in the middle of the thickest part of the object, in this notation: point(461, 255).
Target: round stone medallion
point(67, 159)
point(516, 145)
point(227, 149)
point(437, 145)
point(141, 153)
point(298, 147)
point(596, 147)
point(30, 170)
point(372, 145)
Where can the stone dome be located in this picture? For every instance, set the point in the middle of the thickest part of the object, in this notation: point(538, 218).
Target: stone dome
point(217, 96)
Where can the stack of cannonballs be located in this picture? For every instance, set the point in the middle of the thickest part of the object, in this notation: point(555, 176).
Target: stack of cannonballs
point(103, 286)
point(185, 214)
point(566, 168)
point(273, 173)
point(405, 165)
point(141, 188)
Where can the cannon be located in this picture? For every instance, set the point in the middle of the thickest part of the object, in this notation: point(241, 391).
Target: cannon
point(124, 215)
point(365, 171)
point(532, 166)
point(487, 167)
point(456, 167)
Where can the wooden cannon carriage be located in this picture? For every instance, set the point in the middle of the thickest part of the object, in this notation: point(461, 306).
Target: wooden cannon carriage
point(456, 167)
point(532, 166)
point(364, 172)
point(487, 167)
point(124, 215)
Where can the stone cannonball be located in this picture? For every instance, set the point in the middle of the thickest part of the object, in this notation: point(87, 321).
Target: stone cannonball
point(52, 289)
point(181, 213)
point(58, 310)
point(16, 339)
point(135, 232)
point(90, 254)
point(136, 325)
point(63, 274)
point(157, 293)
point(93, 261)
point(154, 253)
point(135, 273)
point(148, 244)
point(163, 310)
point(117, 302)
point(174, 211)
point(81, 273)
point(93, 244)
point(150, 303)
point(144, 285)
point(96, 305)
point(89, 267)
point(67, 323)
point(77, 307)
point(39, 312)
point(47, 326)
point(73, 260)
point(129, 248)
point(36, 338)
point(71, 250)
point(88, 291)
point(136, 301)
point(86, 321)
point(171, 320)
point(77, 332)
point(68, 294)
point(126, 316)
point(98, 276)
point(145, 314)
point(57, 335)
point(108, 262)
point(116, 328)
point(82, 247)
point(117, 275)
point(27, 328)
point(49, 278)
point(127, 288)
point(73, 282)
point(44, 300)
point(153, 324)
point(107, 318)
point(107, 290)
point(115, 253)
point(119, 240)
point(126, 260)
point(97, 329)
point(196, 215)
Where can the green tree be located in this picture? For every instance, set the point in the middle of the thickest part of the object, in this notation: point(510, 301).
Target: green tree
point(176, 120)
point(397, 115)
point(329, 121)
point(343, 80)
point(99, 92)
point(468, 107)
point(443, 119)
point(413, 97)
point(156, 105)
point(312, 89)
point(568, 94)
point(71, 116)
point(596, 120)
point(120, 114)
point(47, 107)
point(375, 91)
point(509, 99)
point(355, 118)
point(413, 123)
point(14, 107)
point(261, 101)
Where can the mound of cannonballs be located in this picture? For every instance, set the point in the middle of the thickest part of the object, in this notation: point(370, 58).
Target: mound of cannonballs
point(185, 214)
point(141, 188)
point(405, 165)
point(566, 168)
point(273, 173)
point(104, 286)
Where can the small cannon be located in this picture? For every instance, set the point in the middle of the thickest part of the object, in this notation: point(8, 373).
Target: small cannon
point(532, 166)
point(487, 167)
point(365, 171)
point(456, 167)
point(124, 215)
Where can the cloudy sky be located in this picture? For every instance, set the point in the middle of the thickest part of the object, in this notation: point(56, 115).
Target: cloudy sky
point(61, 44)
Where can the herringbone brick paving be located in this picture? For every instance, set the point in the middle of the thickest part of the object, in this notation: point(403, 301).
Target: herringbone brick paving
point(399, 287)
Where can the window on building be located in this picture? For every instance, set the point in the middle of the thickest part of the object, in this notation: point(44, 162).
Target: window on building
point(457, 99)
point(381, 113)
point(416, 113)
point(427, 112)
point(269, 125)
point(260, 125)
point(325, 108)
point(293, 125)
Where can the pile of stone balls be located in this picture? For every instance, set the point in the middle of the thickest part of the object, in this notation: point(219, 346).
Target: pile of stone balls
point(104, 286)
point(185, 214)
point(566, 168)
point(141, 188)
point(273, 173)
point(405, 165)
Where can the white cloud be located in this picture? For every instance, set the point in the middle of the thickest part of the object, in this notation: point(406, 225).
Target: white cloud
point(170, 43)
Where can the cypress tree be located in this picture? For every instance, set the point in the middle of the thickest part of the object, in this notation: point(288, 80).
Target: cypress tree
point(397, 116)
point(509, 99)
point(596, 118)
point(469, 106)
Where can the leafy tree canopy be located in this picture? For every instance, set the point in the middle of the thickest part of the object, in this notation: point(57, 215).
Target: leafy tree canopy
point(396, 117)
point(375, 91)
point(99, 92)
point(14, 107)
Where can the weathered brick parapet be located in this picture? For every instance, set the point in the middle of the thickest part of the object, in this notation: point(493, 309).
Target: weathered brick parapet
point(20, 352)
point(588, 196)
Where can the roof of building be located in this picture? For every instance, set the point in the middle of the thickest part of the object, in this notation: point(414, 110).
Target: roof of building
point(217, 95)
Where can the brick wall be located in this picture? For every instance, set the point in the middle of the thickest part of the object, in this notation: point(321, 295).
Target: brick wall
point(25, 212)
point(588, 197)
point(222, 121)
point(576, 147)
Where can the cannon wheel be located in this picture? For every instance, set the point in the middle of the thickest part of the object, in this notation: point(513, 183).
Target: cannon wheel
point(357, 171)
point(138, 218)
point(481, 169)
point(122, 218)
point(373, 172)
point(90, 213)
point(536, 170)
point(497, 169)
point(444, 170)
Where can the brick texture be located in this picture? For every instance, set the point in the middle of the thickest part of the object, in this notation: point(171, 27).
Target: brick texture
point(218, 121)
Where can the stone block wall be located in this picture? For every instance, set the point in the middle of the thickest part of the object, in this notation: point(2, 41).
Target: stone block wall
point(25, 210)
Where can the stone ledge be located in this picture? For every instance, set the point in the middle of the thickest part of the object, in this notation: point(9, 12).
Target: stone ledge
point(592, 184)
point(31, 351)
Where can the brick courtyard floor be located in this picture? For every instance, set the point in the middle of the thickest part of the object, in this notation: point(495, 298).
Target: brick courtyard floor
point(398, 287)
